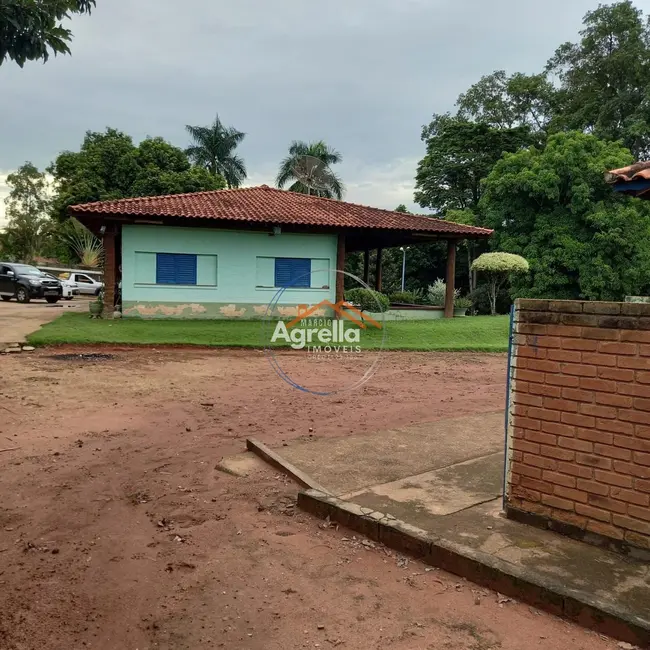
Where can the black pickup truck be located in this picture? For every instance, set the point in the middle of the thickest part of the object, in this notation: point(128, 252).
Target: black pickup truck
point(24, 282)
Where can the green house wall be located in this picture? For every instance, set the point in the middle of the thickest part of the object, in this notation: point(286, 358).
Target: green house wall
point(235, 272)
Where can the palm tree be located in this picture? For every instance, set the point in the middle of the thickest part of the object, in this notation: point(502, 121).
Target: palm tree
point(312, 159)
point(213, 147)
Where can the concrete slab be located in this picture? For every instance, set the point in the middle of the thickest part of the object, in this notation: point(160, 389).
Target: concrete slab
point(439, 492)
point(596, 588)
point(351, 463)
point(242, 465)
point(433, 491)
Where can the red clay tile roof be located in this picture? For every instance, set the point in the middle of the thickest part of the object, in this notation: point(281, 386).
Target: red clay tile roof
point(638, 171)
point(268, 205)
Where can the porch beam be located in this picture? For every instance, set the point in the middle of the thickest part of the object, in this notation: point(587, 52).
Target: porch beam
point(378, 270)
point(340, 266)
point(451, 278)
point(366, 265)
point(110, 271)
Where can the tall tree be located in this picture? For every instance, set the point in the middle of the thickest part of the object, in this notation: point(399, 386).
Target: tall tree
point(459, 155)
point(506, 102)
point(213, 147)
point(27, 210)
point(552, 206)
point(605, 77)
point(109, 166)
point(313, 160)
point(31, 29)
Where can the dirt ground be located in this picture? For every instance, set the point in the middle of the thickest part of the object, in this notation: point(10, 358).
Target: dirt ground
point(117, 532)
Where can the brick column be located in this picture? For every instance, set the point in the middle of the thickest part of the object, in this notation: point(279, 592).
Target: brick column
point(579, 427)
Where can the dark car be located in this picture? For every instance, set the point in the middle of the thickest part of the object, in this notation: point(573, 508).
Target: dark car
point(24, 282)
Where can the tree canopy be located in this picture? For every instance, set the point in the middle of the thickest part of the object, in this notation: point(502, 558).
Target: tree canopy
point(311, 160)
point(27, 211)
point(459, 154)
point(31, 29)
point(213, 148)
point(110, 166)
point(525, 154)
point(605, 77)
point(553, 207)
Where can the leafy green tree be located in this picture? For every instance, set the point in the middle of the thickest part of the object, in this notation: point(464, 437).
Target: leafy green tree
point(109, 166)
point(313, 160)
point(552, 206)
point(605, 77)
point(507, 102)
point(498, 268)
point(27, 211)
point(31, 29)
point(213, 147)
point(459, 155)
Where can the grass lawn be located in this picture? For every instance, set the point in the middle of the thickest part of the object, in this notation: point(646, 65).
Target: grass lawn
point(476, 333)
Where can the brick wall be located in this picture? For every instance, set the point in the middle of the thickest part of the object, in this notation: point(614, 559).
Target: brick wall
point(579, 422)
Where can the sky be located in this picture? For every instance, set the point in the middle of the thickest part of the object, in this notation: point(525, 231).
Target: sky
point(363, 75)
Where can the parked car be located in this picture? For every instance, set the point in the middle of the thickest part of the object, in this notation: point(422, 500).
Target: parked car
point(24, 282)
point(87, 285)
point(70, 289)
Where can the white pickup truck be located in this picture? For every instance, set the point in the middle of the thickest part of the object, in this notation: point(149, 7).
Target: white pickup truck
point(86, 284)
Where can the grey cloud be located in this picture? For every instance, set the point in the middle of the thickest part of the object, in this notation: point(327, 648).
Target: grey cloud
point(362, 74)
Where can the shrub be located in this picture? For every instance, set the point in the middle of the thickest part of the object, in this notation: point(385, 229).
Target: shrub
point(368, 300)
point(414, 297)
point(498, 267)
point(437, 292)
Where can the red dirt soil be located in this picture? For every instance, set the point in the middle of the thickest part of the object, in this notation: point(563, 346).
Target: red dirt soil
point(117, 532)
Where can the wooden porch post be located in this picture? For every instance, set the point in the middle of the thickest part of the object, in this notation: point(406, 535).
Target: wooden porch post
point(451, 276)
point(340, 266)
point(378, 271)
point(110, 271)
point(366, 265)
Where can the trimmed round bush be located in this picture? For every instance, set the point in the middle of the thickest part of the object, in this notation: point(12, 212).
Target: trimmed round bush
point(500, 263)
point(498, 267)
point(368, 300)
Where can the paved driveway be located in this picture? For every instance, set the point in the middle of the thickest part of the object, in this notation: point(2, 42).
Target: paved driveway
point(17, 321)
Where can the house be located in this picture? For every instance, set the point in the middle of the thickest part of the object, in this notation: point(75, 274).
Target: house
point(633, 180)
point(228, 253)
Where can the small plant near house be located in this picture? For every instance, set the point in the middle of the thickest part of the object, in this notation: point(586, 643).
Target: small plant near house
point(86, 246)
point(437, 291)
point(368, 300)
point(461, 305)
point(96, 307)
point(498, 268)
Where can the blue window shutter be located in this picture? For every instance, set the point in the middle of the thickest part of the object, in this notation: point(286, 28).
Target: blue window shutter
point(175, 268)
point(292, 272)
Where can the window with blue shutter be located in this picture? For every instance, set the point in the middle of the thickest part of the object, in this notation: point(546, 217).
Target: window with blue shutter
point(175, 268)
point(292, 272)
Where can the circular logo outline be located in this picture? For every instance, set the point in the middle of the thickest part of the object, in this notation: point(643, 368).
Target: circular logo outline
point(275, 364)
